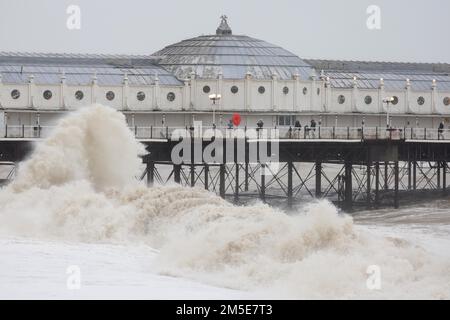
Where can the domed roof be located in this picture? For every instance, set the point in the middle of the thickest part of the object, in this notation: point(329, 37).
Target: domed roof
point(233, 56)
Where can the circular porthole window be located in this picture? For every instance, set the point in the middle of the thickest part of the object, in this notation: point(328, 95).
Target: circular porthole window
point(341, 99)
point(446, 101)
point(261, 89)
point(234, 89)
point(368, 99)
point(47, 94)
point(305, 90)
point(420, 101)
point(15, 94)
point(79, 95)
point(140, 96)
point(206, 89)
point(285, 90)
point(171, 96)
point(395, 100)
point(110, 95)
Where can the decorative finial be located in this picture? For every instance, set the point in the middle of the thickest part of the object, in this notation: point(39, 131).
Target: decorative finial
point(224, 28)
point(94, 79)
point(63, 76)
point(322, 74)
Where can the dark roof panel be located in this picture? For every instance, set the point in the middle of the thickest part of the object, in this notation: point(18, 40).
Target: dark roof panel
point(394, 74)
point(79, 69)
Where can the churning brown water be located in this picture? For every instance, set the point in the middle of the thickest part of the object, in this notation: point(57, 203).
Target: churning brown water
point(79, 186)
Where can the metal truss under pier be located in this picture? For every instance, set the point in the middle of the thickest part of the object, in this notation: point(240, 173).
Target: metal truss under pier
point(352, 174)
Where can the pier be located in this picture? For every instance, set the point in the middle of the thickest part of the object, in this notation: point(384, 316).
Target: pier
point(355, 168)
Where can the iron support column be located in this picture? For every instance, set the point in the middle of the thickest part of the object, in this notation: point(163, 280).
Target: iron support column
point(444, 176)
point(414, 178)
point(192, 174)
point(289, 184)
point(386, 175)
point(222, 180)
point(246, 176)
point(150, 173)
point(438, 174)
point(177, 173)
point(368, 183)
point(263, 182)
point(318, 179)
point(409, 168)
point(409, 176)
point(377, 183)
point(192, 167)
point(236, 185)
point(206, 176)
point(348, 197)
point(396, 174)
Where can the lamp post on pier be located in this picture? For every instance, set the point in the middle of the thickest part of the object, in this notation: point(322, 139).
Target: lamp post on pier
point(388, 100)
point(214, 98)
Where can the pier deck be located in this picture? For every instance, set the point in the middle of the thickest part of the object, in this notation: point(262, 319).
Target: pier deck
point(359, 170)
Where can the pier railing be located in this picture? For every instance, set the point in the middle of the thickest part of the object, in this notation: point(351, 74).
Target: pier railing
point(292, 133)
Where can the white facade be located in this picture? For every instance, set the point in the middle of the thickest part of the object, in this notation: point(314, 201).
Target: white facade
point(304, 99)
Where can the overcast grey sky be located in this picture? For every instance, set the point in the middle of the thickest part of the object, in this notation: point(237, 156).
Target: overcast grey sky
point(410, 30)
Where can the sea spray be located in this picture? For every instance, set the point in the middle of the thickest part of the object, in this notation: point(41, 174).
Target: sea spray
point(79, 185)
point(93, 144)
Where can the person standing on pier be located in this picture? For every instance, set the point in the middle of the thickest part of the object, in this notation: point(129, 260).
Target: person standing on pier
point(230, 124)
point(297, 128)
point(441, 131)
point(313, 128)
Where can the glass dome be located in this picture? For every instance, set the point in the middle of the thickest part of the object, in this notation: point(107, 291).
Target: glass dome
point(233, 56)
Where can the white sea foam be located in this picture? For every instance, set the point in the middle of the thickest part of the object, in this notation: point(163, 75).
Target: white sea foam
point(79, 185)
point(93, 144)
